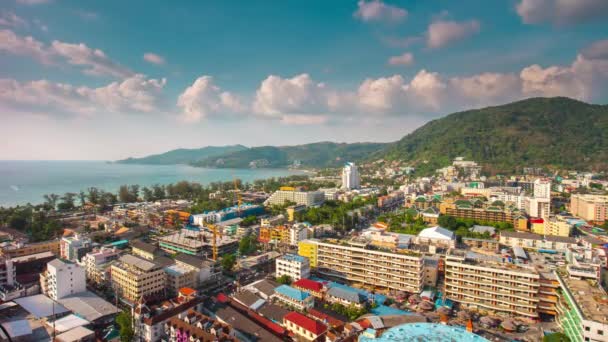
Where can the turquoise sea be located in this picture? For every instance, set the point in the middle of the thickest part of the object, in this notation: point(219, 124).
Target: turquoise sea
point(27, 181)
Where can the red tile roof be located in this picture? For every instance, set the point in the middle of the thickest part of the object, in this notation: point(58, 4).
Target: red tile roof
point(334, 322)
point(308, 284)
point(306, 323)
point(536, 220)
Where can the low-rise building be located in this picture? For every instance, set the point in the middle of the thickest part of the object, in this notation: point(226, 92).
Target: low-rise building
point(304, 327)
point(144, 250)
point(345, 297)
point(18, 249)
point(179, 277)
point(294, 266)
point(293, 297)
point(315, 288)
point(536, 241)
point(75, 247)
point(206, 271)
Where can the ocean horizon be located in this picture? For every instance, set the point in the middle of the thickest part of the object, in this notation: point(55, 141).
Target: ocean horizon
point(27, 181)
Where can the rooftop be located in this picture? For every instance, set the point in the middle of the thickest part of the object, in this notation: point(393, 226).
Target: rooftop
point(306, 323)
point(351, 296)
point(144, 246)
point(139, 263)
point(291, 292)
point(308, 284)
point(89, 306)
point(293, 258)
point(590, 298)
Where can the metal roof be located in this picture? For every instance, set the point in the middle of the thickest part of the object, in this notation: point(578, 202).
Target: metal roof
point(40, 306)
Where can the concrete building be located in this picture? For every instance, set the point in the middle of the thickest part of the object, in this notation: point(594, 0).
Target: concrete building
point(437, 236)
point(350, 177)
point(7, 272)
point(206, 271)
point(294, 266)
point(196, 243)
point(97, 264)
point(179, 277)
point(62, 279)
point(360, 263)
point(298, 232)
point(18, 249)
point(582, 308)
point(537, 207)
point(589, 207)
point(75, 247)
point(542, 188)
point(487, 282)
point(555, 226)
point(289, 194)
point(536, 241)
point(144, 250)
point(134, 277)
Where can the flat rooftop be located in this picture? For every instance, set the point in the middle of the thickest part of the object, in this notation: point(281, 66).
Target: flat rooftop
point(138, 263)
point(591, 299)
point(194, 239)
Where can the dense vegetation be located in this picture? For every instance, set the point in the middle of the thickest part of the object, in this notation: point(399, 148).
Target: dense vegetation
point(542, 132)
point(339, 214)
point(316, 155)
point(183, 156)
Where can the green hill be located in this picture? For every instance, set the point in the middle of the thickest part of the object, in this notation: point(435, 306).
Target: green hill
point(183, 156)
point(319, 155)
point(541, 132)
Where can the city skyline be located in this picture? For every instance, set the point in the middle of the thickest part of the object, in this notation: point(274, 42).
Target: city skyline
point(81, 79)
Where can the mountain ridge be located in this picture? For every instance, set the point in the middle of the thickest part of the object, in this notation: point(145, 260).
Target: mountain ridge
point(540, 132)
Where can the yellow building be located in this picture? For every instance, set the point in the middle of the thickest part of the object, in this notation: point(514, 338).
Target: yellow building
point(308, 249)
point(133, 278)
point(537, 226)
point(555, 226)
point(18, 250)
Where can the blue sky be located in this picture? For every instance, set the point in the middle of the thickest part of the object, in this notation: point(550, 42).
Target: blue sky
point(112, 79)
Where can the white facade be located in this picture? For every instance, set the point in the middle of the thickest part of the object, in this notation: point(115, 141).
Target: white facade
point(7, 272)
point(538, 207)
point(93, 260)
point(298, 232)
point(542, 188)
point(63, 279)
point(294, 266)
point(350, 177)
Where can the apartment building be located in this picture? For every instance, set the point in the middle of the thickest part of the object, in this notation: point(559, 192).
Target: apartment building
point(466, 210)
point(589, 207)
point(304, 328)
point(196, 243)
point(289, 194)
point(536, 241)
point(295, 267)
point(360, 263)
point(7, 272)
point(74, 247)
point(205, 270)
point(134, 277)
point(582, 308)
point(179, 277)
point(62, 279)
point(557, 227)
point(22, 249)
point(487, 282)
point(97, 263)
point(293, 297)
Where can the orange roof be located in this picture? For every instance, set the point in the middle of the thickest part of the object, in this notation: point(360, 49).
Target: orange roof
point(122, 231)
point(187, 291)
point(67, 232)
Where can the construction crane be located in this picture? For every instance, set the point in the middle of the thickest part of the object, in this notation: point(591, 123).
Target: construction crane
point(237, 193)
point(216, 232)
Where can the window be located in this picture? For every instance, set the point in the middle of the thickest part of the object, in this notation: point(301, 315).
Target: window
point(600, 332)
point(587, 328)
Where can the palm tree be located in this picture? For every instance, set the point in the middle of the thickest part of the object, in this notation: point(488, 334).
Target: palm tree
point(51, 200)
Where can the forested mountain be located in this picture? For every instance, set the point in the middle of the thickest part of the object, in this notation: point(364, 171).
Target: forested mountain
point(184, 156)
point(554, 132)
point(322, 154)
point(540, 132)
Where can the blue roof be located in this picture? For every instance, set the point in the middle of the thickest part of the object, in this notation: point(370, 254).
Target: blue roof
point(383, 310)
point(119, 242)
point(291, 292)
point(294, 257)
point(377, 298)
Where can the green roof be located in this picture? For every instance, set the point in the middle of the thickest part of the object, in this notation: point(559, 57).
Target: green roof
point(420, 199)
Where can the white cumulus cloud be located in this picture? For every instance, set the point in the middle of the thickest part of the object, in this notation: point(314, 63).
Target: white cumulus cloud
point(444, 32)
point(406, 58)
point(204, 99)
point(134, 94)
point(377, 10)
point(296, 95)
point(561, 12)
point(94, 61)
point(10, 19)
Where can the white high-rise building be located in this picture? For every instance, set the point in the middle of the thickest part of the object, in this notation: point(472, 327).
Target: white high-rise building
point(62, 279)
point(350, 177)
point(542, 188)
